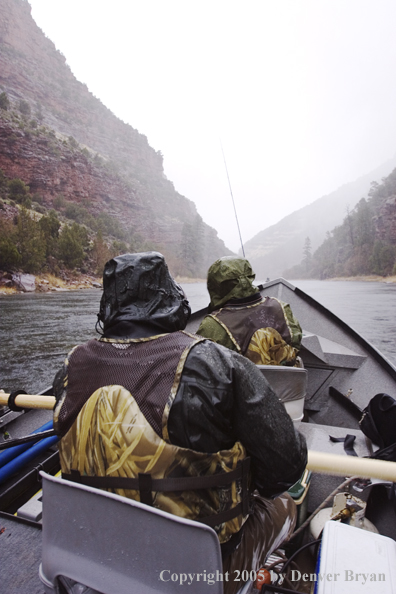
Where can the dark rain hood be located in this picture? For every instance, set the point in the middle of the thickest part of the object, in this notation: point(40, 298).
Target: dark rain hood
point(140, 297)
point(230, 278)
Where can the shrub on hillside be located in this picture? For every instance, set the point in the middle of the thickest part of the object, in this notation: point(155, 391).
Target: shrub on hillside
point(9, 255)
point(30, 243)
point(71, 246)
point(24, 107)
point(18, 191)
point(4, 101)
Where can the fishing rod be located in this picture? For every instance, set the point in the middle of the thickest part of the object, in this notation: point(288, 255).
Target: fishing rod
point(233, 201)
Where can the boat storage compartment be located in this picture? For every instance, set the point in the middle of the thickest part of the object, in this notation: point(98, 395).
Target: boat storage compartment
point(354, 560)
point(290, 385)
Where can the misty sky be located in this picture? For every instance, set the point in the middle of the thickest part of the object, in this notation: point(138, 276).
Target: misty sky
point(301, 94)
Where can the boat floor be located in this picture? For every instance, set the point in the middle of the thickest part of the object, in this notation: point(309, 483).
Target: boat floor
point(20, 553)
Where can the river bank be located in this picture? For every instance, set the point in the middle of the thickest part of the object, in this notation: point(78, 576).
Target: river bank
point(370, 278)
point(44, 283)
point(12, 283)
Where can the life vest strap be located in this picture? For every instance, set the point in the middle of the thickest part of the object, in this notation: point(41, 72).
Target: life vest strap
point(145, 484)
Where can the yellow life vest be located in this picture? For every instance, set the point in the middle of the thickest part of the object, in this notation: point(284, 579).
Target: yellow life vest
point(112, 440)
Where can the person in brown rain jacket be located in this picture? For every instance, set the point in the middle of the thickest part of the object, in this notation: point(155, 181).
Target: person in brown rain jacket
point(149, 398)
point(263, 329)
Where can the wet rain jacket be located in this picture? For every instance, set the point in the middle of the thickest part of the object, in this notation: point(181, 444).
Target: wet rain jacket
point(263, 329)
point(218, 398)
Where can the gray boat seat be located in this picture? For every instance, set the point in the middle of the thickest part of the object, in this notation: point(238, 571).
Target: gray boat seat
point(290, 385)
point(115, 545)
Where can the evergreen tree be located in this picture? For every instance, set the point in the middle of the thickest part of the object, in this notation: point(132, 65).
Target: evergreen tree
point(9, 255)
point(4, 101)
point(100, 252)
point(30, 243)
point(382, 258)
point(24, 107)
point(3, 184)
point(192, 247)
point(307, 253)
point(187, 249)
point(50, 226)
point(19, 191)
point(71, 248)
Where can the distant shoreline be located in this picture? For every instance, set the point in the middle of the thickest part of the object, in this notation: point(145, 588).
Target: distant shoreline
point(187, 280)
point(52, 284)
point(372, 278)
point(49, 283)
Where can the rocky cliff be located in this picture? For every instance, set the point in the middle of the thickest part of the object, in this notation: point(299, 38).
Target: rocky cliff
point(62, 141)
point(280, 247)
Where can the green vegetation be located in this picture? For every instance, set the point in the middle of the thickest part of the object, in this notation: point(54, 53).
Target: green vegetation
point(30, 242)
point(53, 239)
point(3, 185)
point(24, 108)
point(42, 245)
point(307, 252)
point(100, 252)
point(76, 234)
point(71, 245)
point(103, 222)
point(4, 101)
point(364, 244)
point(9, 255)
point(19, 191)
point(192, 246)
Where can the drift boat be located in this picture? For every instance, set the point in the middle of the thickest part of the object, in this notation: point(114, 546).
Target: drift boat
point(341, 372)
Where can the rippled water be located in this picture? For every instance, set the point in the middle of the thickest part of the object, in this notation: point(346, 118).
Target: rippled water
point(37, 330)
point(368, 307)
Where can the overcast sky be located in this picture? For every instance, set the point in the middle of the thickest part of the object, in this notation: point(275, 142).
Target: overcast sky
point(301, 94)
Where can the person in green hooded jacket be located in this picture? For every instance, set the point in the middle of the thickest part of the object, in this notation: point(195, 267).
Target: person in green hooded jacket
point(263, 329)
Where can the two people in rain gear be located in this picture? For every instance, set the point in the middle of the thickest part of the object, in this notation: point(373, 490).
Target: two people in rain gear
point(149, 398)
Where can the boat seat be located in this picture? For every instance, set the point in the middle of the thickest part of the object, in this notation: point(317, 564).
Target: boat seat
point(112, 544)
point(290, 385)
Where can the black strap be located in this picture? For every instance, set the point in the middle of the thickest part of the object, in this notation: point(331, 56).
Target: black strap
point(145, 484)
point(221, 517)
point(10, 443)
point(348, 440)
point(145, 488)
point(245, 486)
point(11, 401)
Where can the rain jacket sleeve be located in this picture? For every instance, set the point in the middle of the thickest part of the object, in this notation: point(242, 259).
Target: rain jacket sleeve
point(223, 398)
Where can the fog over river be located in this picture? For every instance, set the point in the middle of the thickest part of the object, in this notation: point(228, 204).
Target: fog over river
point(37, 330)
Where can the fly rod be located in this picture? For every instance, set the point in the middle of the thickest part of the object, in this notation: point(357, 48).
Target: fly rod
point(233, 201)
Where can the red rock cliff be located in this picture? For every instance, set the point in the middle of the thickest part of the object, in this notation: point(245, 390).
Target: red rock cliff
point(78, 148)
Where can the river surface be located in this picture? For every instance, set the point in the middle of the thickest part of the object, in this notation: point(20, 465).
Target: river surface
point(37, 330)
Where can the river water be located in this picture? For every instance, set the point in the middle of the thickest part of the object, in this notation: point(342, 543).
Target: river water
point(37, 330)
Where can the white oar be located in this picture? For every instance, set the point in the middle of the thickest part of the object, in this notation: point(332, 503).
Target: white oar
point(321, 462)
point(30, 401)
point(342, 465)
